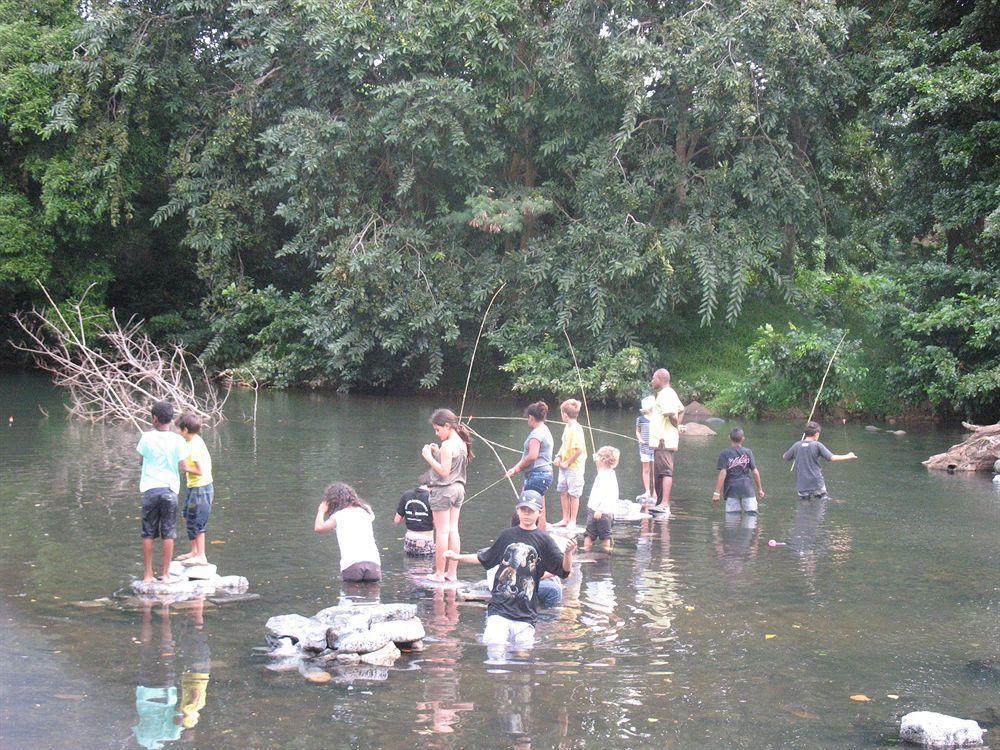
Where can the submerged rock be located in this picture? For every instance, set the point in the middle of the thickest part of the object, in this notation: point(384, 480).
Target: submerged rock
point(932, 729)
point(362, 642)
point(384, 657)
point(192, 581)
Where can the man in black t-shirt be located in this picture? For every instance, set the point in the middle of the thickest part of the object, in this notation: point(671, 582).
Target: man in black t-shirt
point(415, 510)
point(524, 554)
point(736, 468)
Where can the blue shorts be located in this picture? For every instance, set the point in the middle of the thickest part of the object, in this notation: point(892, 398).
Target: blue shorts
point(538, 480)
point(159, 513)
point(197, 509)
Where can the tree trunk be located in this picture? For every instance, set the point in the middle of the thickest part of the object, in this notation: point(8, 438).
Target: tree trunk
point(978, 452)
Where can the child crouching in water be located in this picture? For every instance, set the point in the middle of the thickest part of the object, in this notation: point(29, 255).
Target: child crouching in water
point(603, 499)
point(414, 509)
point(342, 510)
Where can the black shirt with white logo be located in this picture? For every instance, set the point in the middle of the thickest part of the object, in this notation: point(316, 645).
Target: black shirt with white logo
point(414, 506)
point(523, 557)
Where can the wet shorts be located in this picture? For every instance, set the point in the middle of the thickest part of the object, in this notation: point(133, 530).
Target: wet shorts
point(418, 546)
point(361, 572)
point(503, 632)
point(736, 504)
point(447, 496)
point(197, 509)
point(159, 513)
point(570, 482)
point(663, 462)
point(819, 494)
point(599, 528)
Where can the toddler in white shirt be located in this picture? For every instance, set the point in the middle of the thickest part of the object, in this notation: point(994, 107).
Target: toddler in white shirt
point(603, 499)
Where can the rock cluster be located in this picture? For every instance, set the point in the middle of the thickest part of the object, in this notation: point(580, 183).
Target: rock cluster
point(191, 582)
point(348, 642)
point(932, 729)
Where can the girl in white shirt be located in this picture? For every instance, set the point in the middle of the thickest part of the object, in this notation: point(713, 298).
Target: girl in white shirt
point(603, 499)
point(342, 510)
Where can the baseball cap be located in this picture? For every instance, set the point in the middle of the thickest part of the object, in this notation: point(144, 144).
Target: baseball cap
point(647, 404)
point(530, 499)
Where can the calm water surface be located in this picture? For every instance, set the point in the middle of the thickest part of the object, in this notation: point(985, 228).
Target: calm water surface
point(890, 589)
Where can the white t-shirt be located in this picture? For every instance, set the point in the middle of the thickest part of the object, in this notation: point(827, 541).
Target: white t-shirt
point(604, 494)
point(161, 451)
point(355, 537)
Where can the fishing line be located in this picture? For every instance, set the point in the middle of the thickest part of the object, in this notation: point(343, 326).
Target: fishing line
point(499, 460)
point(556, 421)
point(583, 392)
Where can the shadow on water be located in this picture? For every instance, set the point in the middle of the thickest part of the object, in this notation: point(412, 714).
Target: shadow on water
point(693, 633)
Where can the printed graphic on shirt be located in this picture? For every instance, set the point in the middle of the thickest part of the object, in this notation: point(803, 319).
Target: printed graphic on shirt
point(516, 577)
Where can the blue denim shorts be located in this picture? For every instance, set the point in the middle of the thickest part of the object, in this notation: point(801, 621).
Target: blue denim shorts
point(197, 509)
point(538, 480)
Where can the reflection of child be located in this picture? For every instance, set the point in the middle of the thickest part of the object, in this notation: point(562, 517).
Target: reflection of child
point(806, 454)
point(342, 510)
point(736, 467)
point(523, 553)
point(645, 452)
point(414, 509)
point(200, 491)
point(603, 499)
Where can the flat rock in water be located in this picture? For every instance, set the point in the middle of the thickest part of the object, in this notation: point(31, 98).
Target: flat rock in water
point(193, 572)
point(697, 411)
point(400, 631)
point(172, 586)
point(715, 420)
point(351, 673)
point(319, 677)
point(696, 429)
point(308, 633)
point(932, 729)
point(235, 584)
point(230, 598)
point(384, 657)
point(389, 612)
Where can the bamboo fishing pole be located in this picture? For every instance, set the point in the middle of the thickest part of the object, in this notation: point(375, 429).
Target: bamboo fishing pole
point(583, 392)
point(472, 361)
point(821, 384)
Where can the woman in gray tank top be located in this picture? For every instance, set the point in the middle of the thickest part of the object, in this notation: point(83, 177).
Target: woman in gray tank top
point(536, 460)
point(449, 464)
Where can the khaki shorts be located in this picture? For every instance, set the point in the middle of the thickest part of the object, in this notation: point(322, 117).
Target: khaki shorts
point(663, 462)
point(448, 496)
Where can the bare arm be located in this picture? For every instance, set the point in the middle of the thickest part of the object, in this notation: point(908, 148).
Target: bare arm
point(470, 557)
point(398, 518)
point(440, 464)
point(323, 524)
point(760, 487)
point(843, 456)
point(721, 480)
point(191, 468)
point(534, 448)
point(567, 561)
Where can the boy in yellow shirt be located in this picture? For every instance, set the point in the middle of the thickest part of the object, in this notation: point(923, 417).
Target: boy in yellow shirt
point(200, 492)
point(571, 459)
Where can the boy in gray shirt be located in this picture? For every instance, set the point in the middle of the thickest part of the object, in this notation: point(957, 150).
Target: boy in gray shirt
point(806, 454)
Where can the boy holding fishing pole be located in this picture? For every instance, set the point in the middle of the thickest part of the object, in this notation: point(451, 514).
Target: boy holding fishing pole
point(806, 454)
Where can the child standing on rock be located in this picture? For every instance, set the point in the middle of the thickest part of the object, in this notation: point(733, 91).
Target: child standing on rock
point(571, 459)
point(645, 452)
point(342, 510)
point(200, 490)
point(163, 457)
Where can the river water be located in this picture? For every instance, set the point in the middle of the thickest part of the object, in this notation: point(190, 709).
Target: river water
point(695, 634)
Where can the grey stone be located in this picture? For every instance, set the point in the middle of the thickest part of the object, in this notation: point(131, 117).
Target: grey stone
point(390, 612)
point(412, 646)
point(349, 658)
point(384, 657)
point(401, 631)
point(361, 642)
point(932, 729)
point(996, 466)
point(309, 634)
point(284, 648)
point(177, 586)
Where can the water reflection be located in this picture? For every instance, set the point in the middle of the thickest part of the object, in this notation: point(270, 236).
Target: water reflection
point(439, 712)
point(163, 714)
point(736, 543)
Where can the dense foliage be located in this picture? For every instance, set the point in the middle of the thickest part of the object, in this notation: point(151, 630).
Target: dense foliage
point(330, 192)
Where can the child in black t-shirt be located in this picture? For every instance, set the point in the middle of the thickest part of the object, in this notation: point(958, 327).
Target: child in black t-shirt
point(414, 509)
point(524, 555)
point(736, 469)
